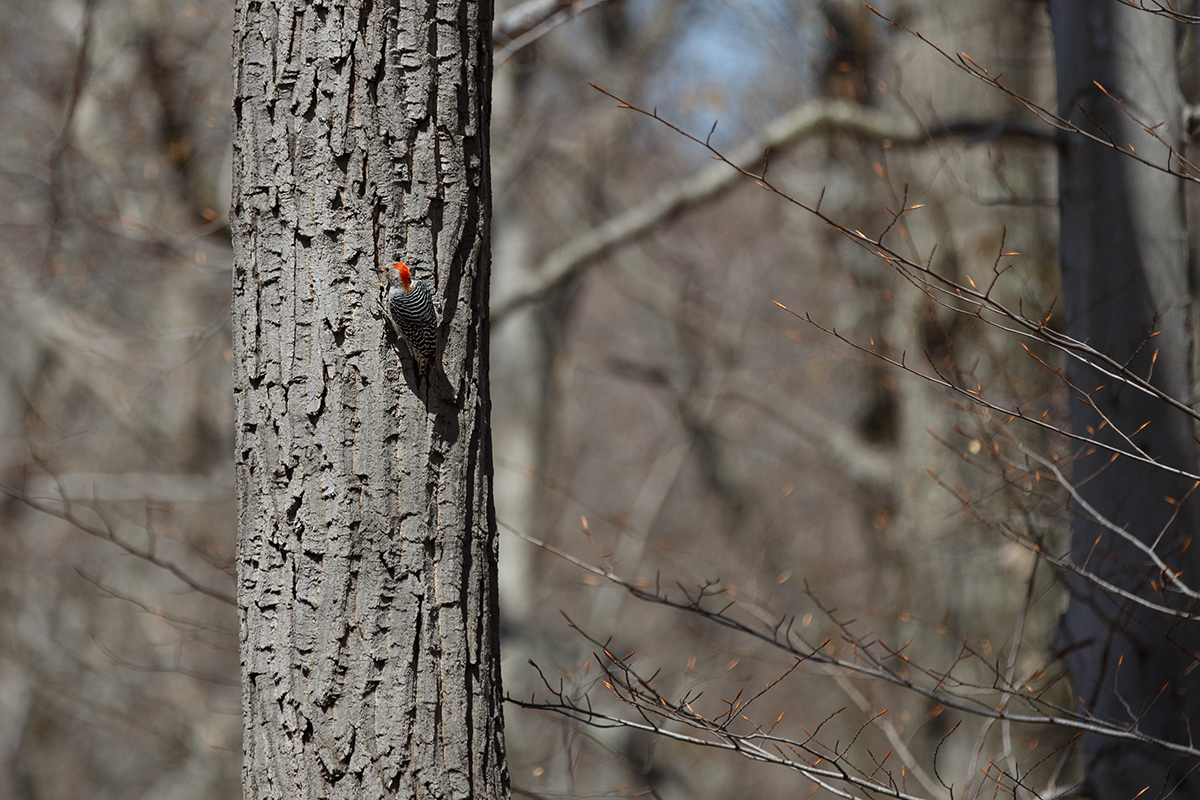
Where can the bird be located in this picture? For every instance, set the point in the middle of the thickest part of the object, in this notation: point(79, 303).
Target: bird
point(408, 305)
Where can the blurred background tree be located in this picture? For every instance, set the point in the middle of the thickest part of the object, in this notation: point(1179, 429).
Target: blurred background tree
point(654, 411)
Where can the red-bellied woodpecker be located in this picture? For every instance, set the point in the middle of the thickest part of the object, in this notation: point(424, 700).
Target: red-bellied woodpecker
point(408, 305)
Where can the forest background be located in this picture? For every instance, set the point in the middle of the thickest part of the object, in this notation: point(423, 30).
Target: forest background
point(657, 415)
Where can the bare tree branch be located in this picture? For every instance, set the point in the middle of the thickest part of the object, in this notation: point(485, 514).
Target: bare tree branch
point(524, 24)
point(869, 466)
point(1174, 162)
point(108, 534)
point(119, 486)
point(811, 118)
point(1162, 8)
point(946, 690)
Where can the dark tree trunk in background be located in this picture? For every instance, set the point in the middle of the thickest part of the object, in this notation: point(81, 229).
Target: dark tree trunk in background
point(366, 546)
point(1125, 266)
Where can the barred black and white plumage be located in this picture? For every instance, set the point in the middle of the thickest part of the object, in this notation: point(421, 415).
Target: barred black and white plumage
point(408, 305)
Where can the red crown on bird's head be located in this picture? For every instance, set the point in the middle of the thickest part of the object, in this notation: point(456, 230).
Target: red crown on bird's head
point(405, 277)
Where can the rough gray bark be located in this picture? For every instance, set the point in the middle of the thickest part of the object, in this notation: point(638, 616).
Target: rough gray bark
point(1125, 265)
point(366, 546)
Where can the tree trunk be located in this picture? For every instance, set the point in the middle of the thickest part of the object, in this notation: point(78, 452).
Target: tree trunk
point(1125, 265)
point(366, 543)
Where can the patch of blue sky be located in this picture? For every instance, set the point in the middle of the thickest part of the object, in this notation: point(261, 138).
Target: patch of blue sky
point(741, 62)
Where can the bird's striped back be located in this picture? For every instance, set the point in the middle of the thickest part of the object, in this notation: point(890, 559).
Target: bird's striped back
point(413, 308)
